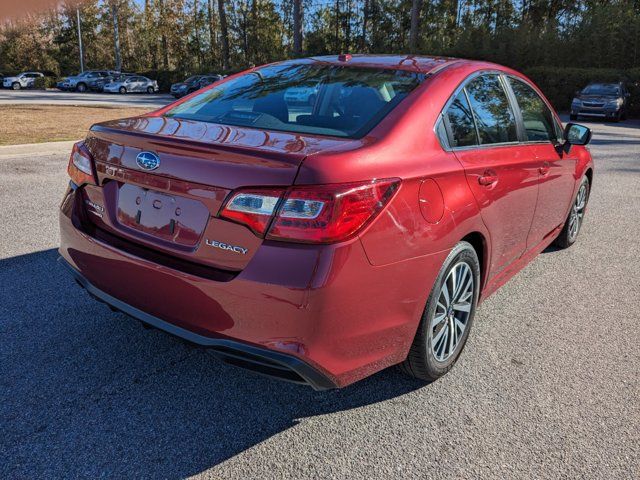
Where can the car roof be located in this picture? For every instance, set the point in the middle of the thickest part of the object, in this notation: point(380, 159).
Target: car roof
point(414, 63)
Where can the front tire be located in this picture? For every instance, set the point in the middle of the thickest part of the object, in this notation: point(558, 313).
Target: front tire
point(448, 316)
point(150, 90)
point(123, 90)
point(16, 86)
point(572, 225)
point(81, 88)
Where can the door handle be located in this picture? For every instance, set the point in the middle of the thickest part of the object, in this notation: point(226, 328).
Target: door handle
point(544, 169)
point(488, 178)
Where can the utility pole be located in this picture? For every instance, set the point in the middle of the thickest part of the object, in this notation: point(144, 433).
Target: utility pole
point(297, 26)
point(80, 41)
point(416, 6)
point(116, 36)
point(224, 34)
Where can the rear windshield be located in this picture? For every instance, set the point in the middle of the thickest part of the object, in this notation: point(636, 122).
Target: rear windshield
point(324, 100)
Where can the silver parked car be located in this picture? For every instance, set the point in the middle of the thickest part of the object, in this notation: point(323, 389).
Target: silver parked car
point(134, 83)
point(81, 81)
point(22, 80)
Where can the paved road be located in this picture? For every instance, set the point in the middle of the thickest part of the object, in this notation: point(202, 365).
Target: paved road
point(548, 386)
point(56, 97)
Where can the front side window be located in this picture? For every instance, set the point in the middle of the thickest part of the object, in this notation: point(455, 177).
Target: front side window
point(492, 112)
point(316, 99)
point(537, 117)
point(459, 119)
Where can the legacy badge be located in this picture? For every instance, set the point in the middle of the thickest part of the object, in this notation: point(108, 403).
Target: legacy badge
point(226, 246)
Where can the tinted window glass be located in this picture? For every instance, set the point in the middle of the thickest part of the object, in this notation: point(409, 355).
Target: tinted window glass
point(339, 101)
point(537, 118)
point(460, 121)
point(493, 115)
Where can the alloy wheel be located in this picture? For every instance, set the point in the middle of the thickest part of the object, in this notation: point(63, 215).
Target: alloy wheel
point(577, 212)
point(453, 309)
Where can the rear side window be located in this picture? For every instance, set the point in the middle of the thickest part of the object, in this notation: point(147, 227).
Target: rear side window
point(459, 120)
point(537, 118)
point(494, 118)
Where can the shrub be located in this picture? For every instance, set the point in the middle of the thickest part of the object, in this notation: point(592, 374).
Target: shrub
point(42, 83)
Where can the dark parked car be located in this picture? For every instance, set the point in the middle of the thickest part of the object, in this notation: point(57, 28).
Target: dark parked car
point(97, 84)
point(192, 84)
point(601, 100)
point(320, 244)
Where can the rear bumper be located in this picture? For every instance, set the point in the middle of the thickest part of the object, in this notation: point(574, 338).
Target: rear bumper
point(322, 315)
point(264, 361)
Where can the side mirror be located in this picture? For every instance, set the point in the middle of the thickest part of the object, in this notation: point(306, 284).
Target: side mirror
point(576, 134)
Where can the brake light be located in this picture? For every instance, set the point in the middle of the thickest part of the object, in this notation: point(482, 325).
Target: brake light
point(311, 214)
point(81, 165)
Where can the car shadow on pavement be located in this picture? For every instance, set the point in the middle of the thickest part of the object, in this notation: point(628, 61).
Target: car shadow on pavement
point(88, 392)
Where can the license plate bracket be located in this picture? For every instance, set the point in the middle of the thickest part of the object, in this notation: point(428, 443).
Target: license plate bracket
point(167, 217)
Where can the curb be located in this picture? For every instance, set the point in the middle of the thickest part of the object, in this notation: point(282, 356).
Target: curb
point(28, 149)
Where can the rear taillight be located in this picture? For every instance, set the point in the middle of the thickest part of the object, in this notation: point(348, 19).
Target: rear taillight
point(253, 208)
point(310, 214)
point(81, 165)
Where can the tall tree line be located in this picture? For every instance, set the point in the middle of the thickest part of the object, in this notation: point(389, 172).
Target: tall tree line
point(222, 35)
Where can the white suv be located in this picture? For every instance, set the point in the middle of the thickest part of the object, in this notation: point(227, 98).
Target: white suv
point(23, 80)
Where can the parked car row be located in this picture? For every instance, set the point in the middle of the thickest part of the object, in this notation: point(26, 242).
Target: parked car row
point(108, 81)
point(111, 81)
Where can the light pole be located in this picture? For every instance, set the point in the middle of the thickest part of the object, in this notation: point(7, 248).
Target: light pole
point(80, 41)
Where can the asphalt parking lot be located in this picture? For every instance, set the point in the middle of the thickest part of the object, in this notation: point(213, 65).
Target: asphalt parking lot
point(56, 97)
point(548, 386)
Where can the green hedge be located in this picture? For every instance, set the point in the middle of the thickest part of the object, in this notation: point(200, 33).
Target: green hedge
point(45, 82)
point(560, 84)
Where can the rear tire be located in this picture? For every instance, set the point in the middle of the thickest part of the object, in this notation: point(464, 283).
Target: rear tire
point(445, 325)
point(123, 90)
point(150, 90)
point(573, 223)
point(16, 86)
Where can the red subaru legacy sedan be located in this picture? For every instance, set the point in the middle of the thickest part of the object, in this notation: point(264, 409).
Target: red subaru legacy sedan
point(322, 241)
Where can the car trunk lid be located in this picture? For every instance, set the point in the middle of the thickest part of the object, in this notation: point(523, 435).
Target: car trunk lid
point(174, 207)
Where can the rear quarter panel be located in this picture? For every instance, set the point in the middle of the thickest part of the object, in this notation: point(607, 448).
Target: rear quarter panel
point(404, 145)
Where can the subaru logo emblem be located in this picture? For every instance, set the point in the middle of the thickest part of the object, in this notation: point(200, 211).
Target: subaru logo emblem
point(148, 160)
